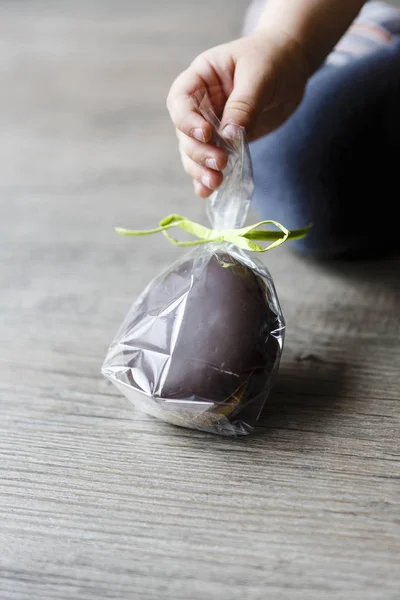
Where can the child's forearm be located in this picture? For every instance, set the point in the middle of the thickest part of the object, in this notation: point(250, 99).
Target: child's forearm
point(315, 25)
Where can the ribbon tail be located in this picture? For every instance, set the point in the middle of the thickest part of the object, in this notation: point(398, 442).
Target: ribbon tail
point(203, 233)
point(167, 223)
point(134, 232)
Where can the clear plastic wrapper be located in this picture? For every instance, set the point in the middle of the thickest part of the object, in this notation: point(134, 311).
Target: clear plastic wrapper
point(201, 346)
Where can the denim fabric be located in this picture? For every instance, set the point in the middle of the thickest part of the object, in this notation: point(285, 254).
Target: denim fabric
point(336, 161)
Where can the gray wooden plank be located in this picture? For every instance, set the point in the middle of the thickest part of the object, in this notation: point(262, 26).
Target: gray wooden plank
point(97, 500)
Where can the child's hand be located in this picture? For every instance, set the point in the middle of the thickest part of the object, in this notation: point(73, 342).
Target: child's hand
point(255, 82)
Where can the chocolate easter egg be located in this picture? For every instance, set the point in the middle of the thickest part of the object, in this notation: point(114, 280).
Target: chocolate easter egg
point(204, 334)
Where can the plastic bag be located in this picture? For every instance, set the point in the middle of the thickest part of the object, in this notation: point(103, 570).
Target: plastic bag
point(201, 346)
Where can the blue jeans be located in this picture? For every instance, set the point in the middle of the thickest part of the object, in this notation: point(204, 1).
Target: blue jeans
point(336, 161)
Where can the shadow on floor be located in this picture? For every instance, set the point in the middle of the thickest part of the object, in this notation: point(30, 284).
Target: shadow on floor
point(306, 394)
point(309, 392)
point(377, 274)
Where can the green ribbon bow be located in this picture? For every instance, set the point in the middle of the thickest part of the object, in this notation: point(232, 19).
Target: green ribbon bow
point(242, 237)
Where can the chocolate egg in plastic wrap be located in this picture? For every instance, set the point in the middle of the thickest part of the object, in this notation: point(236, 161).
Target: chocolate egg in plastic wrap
point(201, 346)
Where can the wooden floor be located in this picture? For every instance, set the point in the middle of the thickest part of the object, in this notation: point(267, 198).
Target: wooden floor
point(98, 501)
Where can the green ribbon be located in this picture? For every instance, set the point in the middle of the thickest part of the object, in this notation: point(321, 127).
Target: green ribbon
point(242, 237)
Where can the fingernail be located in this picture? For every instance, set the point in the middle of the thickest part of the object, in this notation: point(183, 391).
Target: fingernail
point(211, 163)
point(198, 134)
point(230, 131)
point(206, 180)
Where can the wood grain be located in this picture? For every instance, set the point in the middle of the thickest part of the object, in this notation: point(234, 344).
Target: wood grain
point(98, 501)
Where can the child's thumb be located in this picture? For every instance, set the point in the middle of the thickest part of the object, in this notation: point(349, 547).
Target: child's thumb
point(250, 95)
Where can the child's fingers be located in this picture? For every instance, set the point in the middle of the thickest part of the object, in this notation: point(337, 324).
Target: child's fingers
point(207, 177)
point(183, 110)
point(203, 154)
